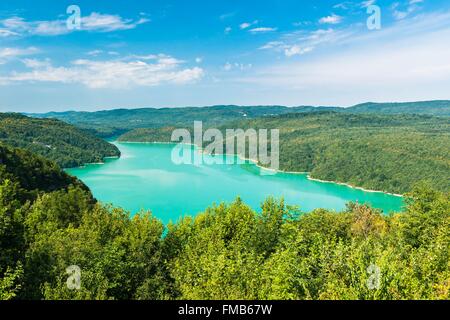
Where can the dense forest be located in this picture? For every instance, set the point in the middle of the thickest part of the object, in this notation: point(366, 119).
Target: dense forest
point(380, 152)
point(227, 252)
point(34, 174)
point(436, 108)
point(50, 221)
point(65, 144)
point(115, 122)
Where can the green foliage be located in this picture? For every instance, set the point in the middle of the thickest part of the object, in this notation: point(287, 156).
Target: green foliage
point(9, 283)
point(110, 123)
point(119, 257)
point(148, 135)
point(55, 140)
point(379, 146)
point(12, 241)
point(377, 152)
point(32, 174)
point(387, 153)
point(227, 252)
point(25, 177)
point(320, 255)
point(436, 108)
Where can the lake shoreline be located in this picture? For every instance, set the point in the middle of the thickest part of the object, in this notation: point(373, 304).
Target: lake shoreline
point(308, 174)
point(92, 163)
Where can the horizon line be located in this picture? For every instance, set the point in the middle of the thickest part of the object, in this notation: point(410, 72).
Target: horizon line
point(228, 105)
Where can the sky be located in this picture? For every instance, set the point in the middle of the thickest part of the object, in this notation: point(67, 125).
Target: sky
point(174, 53)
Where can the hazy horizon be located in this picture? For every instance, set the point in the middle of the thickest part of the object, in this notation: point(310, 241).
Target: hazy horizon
point(99, 109)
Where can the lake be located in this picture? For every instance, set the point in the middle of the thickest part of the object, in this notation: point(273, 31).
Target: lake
point(144, 177)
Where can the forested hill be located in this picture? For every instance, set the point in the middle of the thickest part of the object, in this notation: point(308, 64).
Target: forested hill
point(227, 252)
point(65, 144)
point(436, 108)
point(380, 152)
point(33, 174)
point(115, 122)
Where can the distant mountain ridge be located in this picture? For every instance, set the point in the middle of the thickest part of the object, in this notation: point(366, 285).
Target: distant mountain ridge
point(118, 121)
point(435, 108)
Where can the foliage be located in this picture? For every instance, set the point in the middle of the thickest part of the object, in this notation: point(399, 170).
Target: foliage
point(378, 152)
point(116, 122)
point(227, 252)
point(55, 140)
point(110, 123)
point(321, 255)
point(32, 174)
point(437, 108)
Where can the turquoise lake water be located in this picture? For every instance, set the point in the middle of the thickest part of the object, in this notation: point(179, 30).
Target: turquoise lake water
point(146, 178)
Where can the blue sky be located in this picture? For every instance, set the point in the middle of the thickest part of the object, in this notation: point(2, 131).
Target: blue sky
point(196, 53)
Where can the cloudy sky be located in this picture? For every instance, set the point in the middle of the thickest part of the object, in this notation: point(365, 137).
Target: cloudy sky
point(194, 53)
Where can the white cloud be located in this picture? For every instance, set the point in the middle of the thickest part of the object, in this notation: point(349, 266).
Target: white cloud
point(95, 22)
point(228, 30)
point(228, 66)
point(333, 19)
point(107, 23)
point(109, 74)
point(7, 54)
point(16, 52)
point(227, 15)
point(94, 53)
point(18, 26)
point(48, 28)
point(400, 12)
point(296, 50)
point(199, 59)
point(12, 27)
point(237, 66)
point(301, 23)
point(354, 7)
point(292, 51)
point(7, 33)
point(343, 5)
point(289, 50)
point(302, 42)
point(273, 45)
point(356, 69)
point(35, 63)
point(368, 3)
point(263, 30)
point(247, 25)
